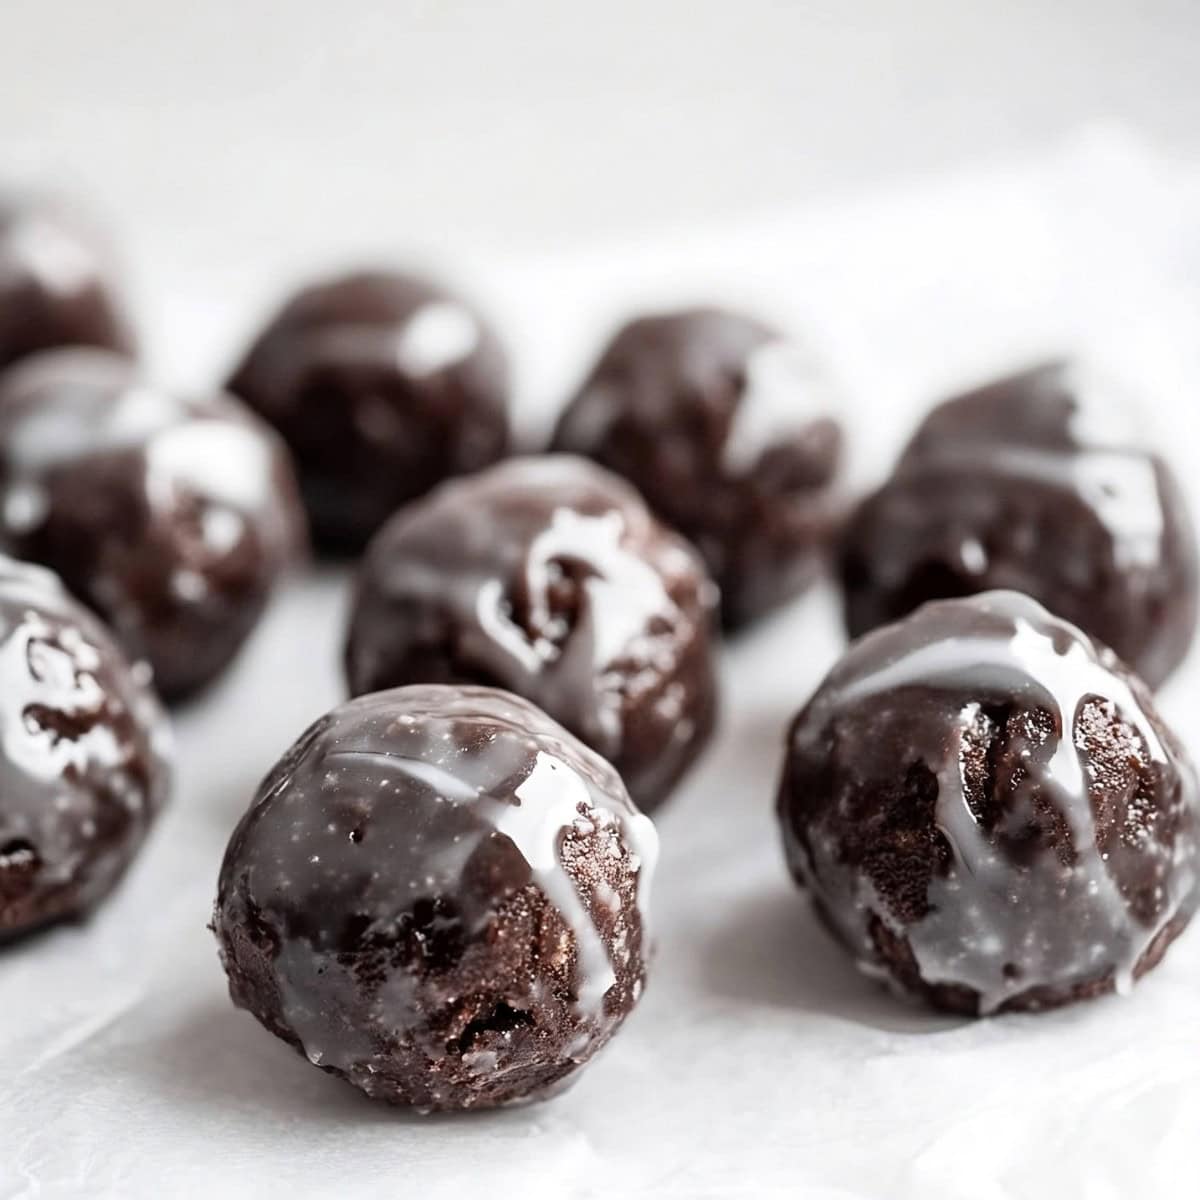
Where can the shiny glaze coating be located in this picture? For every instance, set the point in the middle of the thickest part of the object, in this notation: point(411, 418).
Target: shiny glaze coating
point(727, 430)
point(383, 385)
point(549, 577)
point(440, 896)
point(988, 811)
point(54, 285)
point(1035, 483)
point(172, 517)
point(83, 761)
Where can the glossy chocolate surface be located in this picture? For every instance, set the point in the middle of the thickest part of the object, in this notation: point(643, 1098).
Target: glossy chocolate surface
point(1036, 483)
point(548, 577)
point(728, 431)
point(383, 385)
point(55, 288)
point(988, 811)
point(440, 896)
point(83, 763)
point(172, 517)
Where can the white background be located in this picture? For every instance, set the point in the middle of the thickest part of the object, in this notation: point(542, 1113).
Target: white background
point(569, 163)
point(554, 120)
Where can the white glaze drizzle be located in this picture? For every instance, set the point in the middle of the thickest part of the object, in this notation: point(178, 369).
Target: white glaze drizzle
point(433, 775)
point(1103, 410)
point(628, 590)
point(433, 338)
point(787, 388)
point(437, 336)
point(65, 663)
point(1027, 663)
point(222, 460)
point(491, 611)
point(32, 246)
point(47, 435)
point(549, 803)
point(642, 839)
point(53, 656)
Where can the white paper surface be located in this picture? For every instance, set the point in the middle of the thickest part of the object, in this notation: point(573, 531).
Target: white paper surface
point(759, 1063)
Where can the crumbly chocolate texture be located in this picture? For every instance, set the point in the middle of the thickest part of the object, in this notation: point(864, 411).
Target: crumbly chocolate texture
point(172, 517)
point(549, 577)
point(55, 285)
point(988, 811)
point(83, 765)
point(728, 430)
point(383, 385)
point(439, 895)
point(1033, 483)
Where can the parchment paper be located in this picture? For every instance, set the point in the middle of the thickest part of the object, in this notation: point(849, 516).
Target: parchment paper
point(759, 1063)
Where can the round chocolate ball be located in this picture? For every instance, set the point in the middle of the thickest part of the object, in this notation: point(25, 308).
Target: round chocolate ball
point(55, 288)
point(83, 763)
point(726, 428)
point(439, 895)
point(988, 811)
point(171, 516)
point(1035, 483)
point(383, 385)
point(548, 577)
